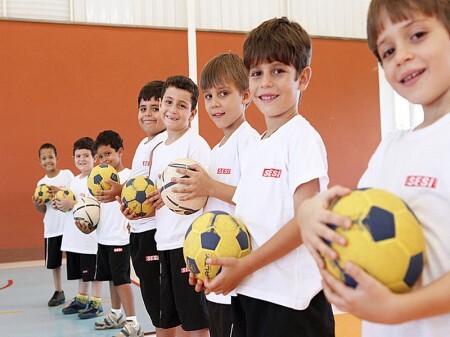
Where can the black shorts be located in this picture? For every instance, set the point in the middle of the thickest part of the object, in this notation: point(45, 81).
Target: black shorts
point(81, 266)
point(53, 253)
point(220, 323)
point(180, 303)
point(257, 318)
point(146, 265)
point(113, 264)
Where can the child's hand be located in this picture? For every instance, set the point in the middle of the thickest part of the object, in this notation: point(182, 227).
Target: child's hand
point(154, 197)
point(125, 210)
point(197, 283)
point(232, 274)
point(313, 216)
point(197, 182)
point(39, 204)
point(370, 300)
point(52, 190)
point(110, 195)
point(64, 204)
point(84, 227)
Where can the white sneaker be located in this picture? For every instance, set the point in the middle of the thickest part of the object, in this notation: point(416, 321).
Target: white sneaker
point(111, 321)
point(130, 329)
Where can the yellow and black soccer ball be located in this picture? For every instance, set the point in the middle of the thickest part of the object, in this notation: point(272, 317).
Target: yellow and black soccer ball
point(134, 193)
point(41, 193)
point(214, 234)
point(99, 175)
point(385, 239)
point(171, 199)
point(64, 193)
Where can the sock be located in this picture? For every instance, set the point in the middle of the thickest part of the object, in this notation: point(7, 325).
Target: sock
point(132, 319)
point(82, 298)
point(97, 301)
point(116, 312)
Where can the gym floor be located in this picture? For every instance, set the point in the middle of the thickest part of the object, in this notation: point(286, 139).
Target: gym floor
point(26, 287)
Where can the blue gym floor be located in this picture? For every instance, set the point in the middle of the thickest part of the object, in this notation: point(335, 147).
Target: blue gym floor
point(25, 289)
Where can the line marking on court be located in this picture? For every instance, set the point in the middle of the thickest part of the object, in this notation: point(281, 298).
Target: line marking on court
point(10, 312)
point(8, 284)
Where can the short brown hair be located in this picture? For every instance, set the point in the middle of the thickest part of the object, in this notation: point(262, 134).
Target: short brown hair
point(400, 10)
point(224, 68)
point(278, 40)
point(184, 83)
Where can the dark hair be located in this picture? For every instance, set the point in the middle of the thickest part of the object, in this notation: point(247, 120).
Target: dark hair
point(400, 10)
point(183, 83)
point(85, 143)
point(278, 40)
point(47, 146)
point(151, 90)
point(224, 68)
point(110, 138)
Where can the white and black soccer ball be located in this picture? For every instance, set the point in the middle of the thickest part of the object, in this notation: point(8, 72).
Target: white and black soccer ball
point(88, 210)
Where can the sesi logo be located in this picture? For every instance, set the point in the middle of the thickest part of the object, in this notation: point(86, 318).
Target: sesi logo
point(118, 250)
point(185, 270)
point(223, 171)
point(271, 173)
point(421, 181)
point(145, 163)
point(152, 258)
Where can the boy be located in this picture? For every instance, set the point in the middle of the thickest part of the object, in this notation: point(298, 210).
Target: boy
point(226, 97)
point(142, 231)
point(113, 255)
point(411, 40)
point(279, 287)
point(53, 219)
point(80, 248)
point(180, 304)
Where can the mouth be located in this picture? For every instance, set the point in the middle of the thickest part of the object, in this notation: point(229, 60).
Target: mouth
point(218, 114)
point(171, 117)
point(267, 97)
point(412, 76)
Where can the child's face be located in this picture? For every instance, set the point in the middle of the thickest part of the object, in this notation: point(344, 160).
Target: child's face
point(274, 88)
point(48, 159)
point(415, 55)
point(225, 104)
point(175, 109)
point(149, 118)
point(107, 155)
point(84, 161)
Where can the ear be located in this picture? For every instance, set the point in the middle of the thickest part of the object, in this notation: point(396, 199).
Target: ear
point(246, 97)
point(193, 113)
point(95, 158)
point(304, 78)
point(120, 152)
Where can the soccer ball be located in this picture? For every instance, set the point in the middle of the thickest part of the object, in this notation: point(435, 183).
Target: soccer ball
point(385, 239)
point(214, 234)
point(134, 193)
point(87, 210)
point(172, 200)
point(97, 178)
point(64, 193)
point(41, 193)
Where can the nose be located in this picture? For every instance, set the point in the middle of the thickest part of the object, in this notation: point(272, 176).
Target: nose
point(403, 54)
point(266, 81)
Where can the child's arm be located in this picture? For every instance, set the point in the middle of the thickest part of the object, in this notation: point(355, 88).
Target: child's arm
point(372, 301)
point(110, 195)
point(234, 271)
point(39, 204)
point(64, 204)
point(313, 215)
point(199, 183)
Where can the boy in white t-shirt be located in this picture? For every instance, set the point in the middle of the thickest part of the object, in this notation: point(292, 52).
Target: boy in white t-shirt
point(54, 220)
point(180, 304)
point(113, 255)
point(278, 284)
point(224, 82)
point(80, 248)
point(411, 40)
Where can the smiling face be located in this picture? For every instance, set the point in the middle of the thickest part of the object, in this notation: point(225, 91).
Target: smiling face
point(149, 118)
point(175, 110)
point(225, 105)
point(84, 161)
point(48, 159)
point(415, 55)
point(107, 155)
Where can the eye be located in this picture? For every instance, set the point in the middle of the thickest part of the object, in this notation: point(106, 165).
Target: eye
point(155, 109)
point(387, 53)
point(143, 109)
point(223, 93)
point(255, 73)
point(278, 71)
point(418, 36)
point(168, 102)
point(207, 96)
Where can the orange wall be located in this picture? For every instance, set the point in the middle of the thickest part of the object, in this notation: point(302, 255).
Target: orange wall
point(61, 82)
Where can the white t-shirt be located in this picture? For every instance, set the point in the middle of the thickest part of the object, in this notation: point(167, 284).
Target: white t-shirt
point(112, 227)
point(73, 239)
point(55, 220)
point(273, 169)
point(415, 165)
point(226, 163)
point(140, 168)
point(171, 227)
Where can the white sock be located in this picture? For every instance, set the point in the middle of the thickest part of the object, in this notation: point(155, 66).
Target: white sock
point(116, 312)
point(132, 318)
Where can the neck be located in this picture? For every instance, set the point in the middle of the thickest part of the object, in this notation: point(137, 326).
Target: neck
point(229, 130)
point(173, 136)
point(435, 111)
point(275, 122)
point(53, 173)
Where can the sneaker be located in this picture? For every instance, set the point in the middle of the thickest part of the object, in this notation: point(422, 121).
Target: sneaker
point(130, 329)
point(74, 307)
point(57, 299)
point(111, 322)
point(93, 310)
